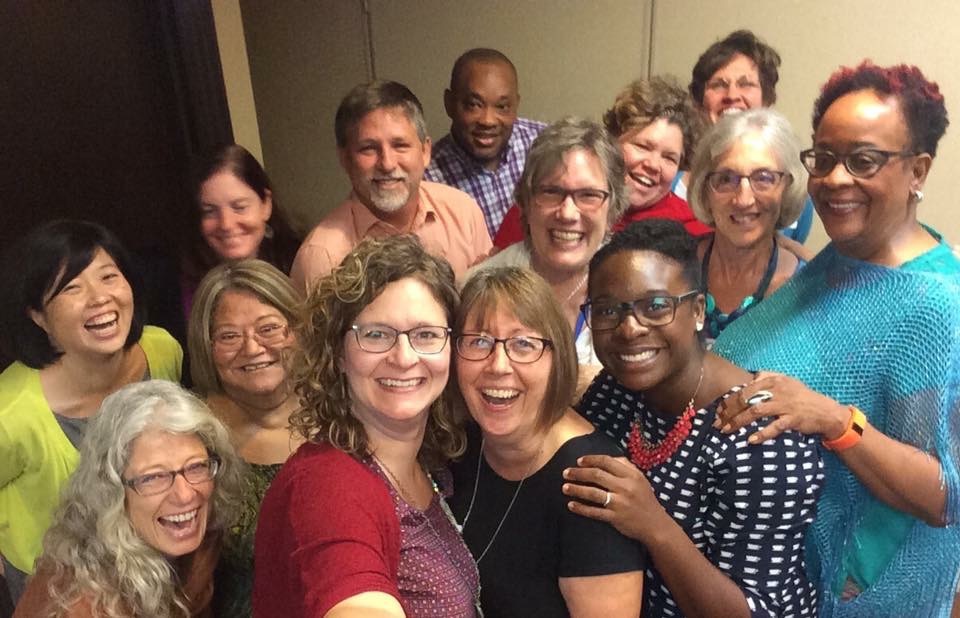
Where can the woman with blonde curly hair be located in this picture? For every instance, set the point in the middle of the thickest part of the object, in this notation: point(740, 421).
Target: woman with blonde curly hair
point(137, 531)
point(354, 523)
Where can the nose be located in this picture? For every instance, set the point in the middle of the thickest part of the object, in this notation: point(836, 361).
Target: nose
point(744, 195)
point(388, 160)
point(488, 116)
point(499, 362)
point(251, 346)
point(98, 294)
point(568, 210)
point(651, 162)
point(402, 353)
point(838, 176)
point(630, 327)
point(182, 490)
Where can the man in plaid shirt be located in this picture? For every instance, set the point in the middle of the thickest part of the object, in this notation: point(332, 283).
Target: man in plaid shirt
point(484, 153)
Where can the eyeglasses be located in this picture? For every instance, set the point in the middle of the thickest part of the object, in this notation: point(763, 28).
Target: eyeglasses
point(862, 163)
point(380, 338)
point(159, 482)
point(476, 347)
point(650, 311)
point(550, 197)
point(719, 85)
point(761, 181)
point(267, 334)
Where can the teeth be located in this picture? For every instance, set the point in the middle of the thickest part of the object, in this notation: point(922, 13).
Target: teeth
point(500, 393)
point(102, 320)
point(565, 236)
point(399, 383)
point(730, 110)
point(744, 218)
point(182, 517)
point(846, 206)
point(256, 366)
point(639, 357)
point(642, 180)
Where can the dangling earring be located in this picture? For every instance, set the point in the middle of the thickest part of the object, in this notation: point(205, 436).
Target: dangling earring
point(699, 326)
point(917, 195)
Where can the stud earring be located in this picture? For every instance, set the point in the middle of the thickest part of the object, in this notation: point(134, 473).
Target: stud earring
point(699, 326)
point(917, 195)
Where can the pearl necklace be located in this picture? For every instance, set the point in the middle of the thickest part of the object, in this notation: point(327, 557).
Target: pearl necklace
point(449, 514)
point(516, 492)
point(644, 454)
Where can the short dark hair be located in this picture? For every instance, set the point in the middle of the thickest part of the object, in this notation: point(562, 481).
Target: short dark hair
point(365, 98)
point(920, 99)
point(278, 248)
point(664, 236)
point(477, 54)
point(719, 54)
point(31, 274)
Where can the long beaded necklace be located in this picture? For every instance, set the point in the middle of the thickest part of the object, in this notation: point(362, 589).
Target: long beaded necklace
point(449, 514)
point(516, 492)
point(644, 454)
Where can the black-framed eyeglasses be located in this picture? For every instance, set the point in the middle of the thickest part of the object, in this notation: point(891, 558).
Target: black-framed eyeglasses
point(380, 338)
point(861, 163)
point(267, 334)
point(550, 196)
point(478, 347)
point(158, 482)
point(658, 310)
point(761, 181)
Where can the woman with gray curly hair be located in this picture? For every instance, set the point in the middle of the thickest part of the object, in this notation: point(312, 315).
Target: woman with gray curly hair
point(137, 530)
point(747, 181)
point(570, 195)
point(354, 524)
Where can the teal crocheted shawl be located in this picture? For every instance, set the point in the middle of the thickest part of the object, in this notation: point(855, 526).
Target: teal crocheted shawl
point(888, 341)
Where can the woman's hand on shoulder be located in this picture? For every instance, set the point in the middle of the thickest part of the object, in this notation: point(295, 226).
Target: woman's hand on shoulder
point(613, 490)
point(793, 406)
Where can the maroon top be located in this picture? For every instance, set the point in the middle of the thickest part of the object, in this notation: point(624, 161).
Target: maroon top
point(332, 527)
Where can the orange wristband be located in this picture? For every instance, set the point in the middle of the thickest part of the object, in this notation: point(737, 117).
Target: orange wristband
point(852, 435)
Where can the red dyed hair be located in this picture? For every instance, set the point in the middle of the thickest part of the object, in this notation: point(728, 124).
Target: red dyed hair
point(920, 99)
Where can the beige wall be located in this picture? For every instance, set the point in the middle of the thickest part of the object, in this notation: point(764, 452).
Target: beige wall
point(572, 57)
point(236, 74)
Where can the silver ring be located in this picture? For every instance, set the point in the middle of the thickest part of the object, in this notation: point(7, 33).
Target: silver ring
point(606, 500)
point(759, 397)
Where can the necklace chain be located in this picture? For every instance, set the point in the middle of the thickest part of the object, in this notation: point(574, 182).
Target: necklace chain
point(449, 515)
point(516, 492)
point(644, 454)
point(583, 280)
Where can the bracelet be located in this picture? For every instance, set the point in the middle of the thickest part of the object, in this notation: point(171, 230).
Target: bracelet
point(852, 434)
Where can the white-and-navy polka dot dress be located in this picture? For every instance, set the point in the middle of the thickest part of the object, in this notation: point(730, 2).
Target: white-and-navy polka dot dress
point(745, 507)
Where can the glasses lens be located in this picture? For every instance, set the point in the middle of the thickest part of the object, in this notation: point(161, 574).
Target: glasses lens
point(428, 339)
point(524, 349)
point(271, 333)
point(656, 310)
point(724, 181)
point(604, 316)
point(375, 337)
point(764, 180)
point(150, 484)
point(865, 163)
point(550, 196)
point(818, 162)
point(474, 347)
point(201, 471)
point(590, 198)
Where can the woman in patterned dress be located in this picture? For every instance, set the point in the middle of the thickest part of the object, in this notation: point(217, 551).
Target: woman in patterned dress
point(240, 342)
point(723, 520)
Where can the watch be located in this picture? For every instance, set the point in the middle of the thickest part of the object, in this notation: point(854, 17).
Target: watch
point(853, 433)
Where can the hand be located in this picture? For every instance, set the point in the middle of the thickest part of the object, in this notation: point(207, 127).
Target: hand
point(633, 509)
point(794, 406)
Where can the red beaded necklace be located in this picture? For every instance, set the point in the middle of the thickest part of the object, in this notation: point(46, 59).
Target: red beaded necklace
point(644, 454)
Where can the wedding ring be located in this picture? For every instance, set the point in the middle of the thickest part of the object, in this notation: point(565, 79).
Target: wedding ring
point(759, 397)
point(606, 500)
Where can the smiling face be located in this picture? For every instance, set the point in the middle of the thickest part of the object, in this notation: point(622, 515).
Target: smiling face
point(652, 156)
point(746, 217)
point(862, 216)
point(233, 218)
point(385, 160)
point(174, 521)
point(391, 391)
point(253, 374)
point(645, 358)
point(503, 396)
point(734, 87)
point(92, 313)
point(483, 108)
point(565, 237)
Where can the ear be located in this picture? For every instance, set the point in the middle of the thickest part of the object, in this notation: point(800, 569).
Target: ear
point(919, 170)
point(267, 204)
point(449, 103)
point(38, 318)
point(427, 151)
point(700, 308)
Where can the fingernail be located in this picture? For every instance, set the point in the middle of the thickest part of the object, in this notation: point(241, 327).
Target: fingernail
point(753, 439)
point(726, 428)
point(716, 423)
point(566, 473)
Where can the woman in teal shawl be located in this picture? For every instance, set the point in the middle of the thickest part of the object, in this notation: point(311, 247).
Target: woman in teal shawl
point(870, 332)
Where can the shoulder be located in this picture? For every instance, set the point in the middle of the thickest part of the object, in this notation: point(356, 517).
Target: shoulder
point(19, 383)
point(164, 354)
point(528, 126)
point(444, 196)
point(335, 220)
point(593, 443)
point(36, 600)
point(316, 471)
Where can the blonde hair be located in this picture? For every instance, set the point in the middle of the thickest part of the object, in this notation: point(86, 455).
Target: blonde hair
point(332, 306)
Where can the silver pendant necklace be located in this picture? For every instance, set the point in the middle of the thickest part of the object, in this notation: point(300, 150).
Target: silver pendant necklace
point(516, 492)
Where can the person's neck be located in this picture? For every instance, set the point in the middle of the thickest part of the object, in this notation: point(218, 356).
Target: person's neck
point(908, 242)
point(670, 397)
point(733, 263)
point(514, 458)
point(569, 286)
point(397, 448)
point(94, 374)
point(267, 411)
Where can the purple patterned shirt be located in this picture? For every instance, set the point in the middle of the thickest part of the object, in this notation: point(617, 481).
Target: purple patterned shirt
point(452, 166)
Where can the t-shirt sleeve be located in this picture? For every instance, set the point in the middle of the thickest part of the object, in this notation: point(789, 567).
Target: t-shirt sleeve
point(768, 498)
point(590, 547)
point(330, 536)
